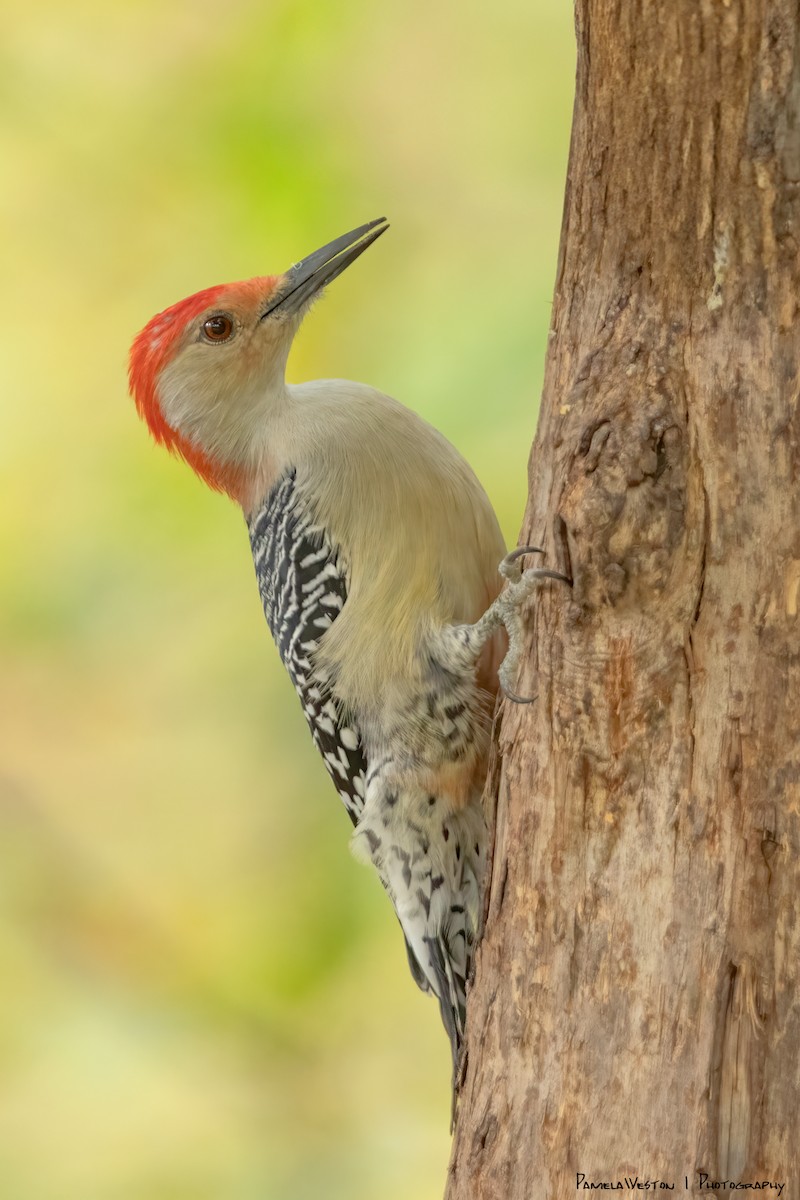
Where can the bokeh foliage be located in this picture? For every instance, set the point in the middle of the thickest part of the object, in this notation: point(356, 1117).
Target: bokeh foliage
point(203, 995)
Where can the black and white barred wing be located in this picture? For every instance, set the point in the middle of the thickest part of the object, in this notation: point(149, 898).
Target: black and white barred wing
point(303, 589)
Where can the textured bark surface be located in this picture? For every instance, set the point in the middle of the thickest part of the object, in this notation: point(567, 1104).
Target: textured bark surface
point(636, 1007)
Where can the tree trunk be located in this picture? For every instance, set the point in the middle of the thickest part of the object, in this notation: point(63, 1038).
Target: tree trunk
point(636, 1008)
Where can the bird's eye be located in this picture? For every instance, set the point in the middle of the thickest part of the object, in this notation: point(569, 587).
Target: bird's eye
point(218, 328)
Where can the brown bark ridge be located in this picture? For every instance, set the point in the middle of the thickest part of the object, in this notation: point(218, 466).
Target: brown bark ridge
point(636, 1009)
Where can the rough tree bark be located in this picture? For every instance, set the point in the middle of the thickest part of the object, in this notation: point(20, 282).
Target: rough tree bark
point(636, 1007)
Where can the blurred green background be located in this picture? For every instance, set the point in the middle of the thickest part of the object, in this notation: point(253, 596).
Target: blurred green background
point(203, 995)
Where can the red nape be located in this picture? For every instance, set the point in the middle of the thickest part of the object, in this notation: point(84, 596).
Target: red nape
point(152, 349)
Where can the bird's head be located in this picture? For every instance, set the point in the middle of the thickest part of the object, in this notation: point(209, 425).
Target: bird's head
point(205, 373)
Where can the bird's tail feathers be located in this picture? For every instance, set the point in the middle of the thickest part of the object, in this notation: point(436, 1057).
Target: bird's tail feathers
point(431, 868)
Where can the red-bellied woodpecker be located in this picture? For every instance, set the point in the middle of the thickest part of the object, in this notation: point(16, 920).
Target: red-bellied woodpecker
point(376, 552)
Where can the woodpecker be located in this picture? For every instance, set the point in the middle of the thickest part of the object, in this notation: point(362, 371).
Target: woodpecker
point(379, 562)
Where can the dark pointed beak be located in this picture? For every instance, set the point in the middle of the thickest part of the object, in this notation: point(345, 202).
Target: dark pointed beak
point(306, 278)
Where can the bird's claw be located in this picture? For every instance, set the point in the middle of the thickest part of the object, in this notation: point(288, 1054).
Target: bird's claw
point(519, 586)
point(514, 698)
point(511, 566)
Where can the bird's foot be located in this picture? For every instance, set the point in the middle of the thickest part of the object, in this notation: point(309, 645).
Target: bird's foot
point(507, 610)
